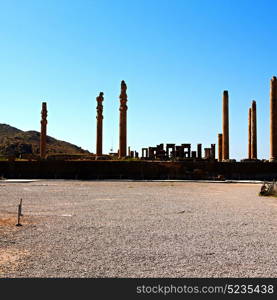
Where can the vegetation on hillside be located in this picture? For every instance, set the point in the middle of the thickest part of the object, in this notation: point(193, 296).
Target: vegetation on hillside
point(15, 142)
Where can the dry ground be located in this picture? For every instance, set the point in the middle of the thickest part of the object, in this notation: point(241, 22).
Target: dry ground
point(137, 229)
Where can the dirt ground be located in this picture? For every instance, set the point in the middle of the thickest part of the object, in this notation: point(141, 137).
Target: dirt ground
point(137, 229)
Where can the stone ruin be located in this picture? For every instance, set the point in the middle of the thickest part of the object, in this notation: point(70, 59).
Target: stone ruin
point(183, 151)
point(178, 152)
point(268, 189)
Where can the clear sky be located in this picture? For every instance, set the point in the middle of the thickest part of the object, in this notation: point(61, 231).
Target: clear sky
point(176, 56)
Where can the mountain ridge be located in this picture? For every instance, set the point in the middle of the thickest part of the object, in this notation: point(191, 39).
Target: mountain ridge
point(15, 142)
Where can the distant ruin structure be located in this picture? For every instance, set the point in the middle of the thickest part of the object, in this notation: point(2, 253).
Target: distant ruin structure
point(212, 151)
point(249, 133)
point(219, 147)
point(99, 129)
point(207, 153)
point(253, 131)
point(123, 121)
point(43, 130)
point(199, 150)
point(273, 119)
point(144, 152)
point(225, 129)
point(172, 151)
point(177, 152)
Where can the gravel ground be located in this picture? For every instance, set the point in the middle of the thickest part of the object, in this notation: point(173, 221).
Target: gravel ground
point(137, 229)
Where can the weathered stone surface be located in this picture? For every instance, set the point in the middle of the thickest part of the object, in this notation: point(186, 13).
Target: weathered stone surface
point(225, 131)
point(171, 153)
point(249, 133)
point(193, 154)
point(187, 150)
point(212, 152)
point(207, 153)
point(199, 150)
point(99, 130)
point(253, 131)
point(220, 147)
point(123, 120)
point(43, 123)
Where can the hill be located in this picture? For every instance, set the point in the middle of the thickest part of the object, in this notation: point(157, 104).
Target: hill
point(14, 141)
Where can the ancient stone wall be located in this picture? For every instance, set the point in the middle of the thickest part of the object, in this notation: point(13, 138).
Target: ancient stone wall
point(98, 169)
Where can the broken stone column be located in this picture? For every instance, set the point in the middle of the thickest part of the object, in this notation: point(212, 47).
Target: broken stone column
point(199, 150)
point(123, 120)
point(225, 132)
point(220, 147)
point(273, 119)
point(249, 133)
point(43, 130)
point(207, 153)
point(212, 152)
point(99, 130)
point(253, 131)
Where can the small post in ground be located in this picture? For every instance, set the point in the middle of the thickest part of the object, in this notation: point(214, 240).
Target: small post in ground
point(19, 213)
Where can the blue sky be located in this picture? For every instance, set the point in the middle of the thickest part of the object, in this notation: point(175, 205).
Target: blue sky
point(176, 56)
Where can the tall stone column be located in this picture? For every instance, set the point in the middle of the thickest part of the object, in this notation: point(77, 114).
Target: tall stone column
point(123, 120)
point(253, 131)
point(249, 133)
point(43, 130)
point(273, 119)
point(99, 130)
point(225, 131)
point(220, 147)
